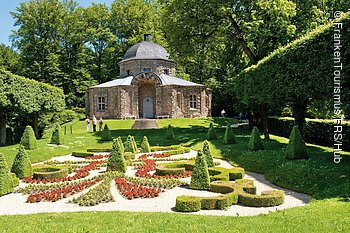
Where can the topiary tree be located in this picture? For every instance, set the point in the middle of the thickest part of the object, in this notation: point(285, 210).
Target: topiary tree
point(106, 134)
point(207, 154)
point(145, 148)
point(6, 184)
point(229, 137)
point(296, 148)
point(200, 176)
point(255, 142)
point(134, 144)
point(116, 160)
point(57, 135)
point(121, 146)
point(211, 135)
point(22, 166)
point(28, 139)
point(169, 133)
point(129, 145)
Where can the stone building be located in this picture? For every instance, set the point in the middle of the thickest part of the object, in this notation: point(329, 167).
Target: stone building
point(148, 88)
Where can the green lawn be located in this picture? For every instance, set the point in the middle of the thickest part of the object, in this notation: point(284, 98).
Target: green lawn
point(329, 183)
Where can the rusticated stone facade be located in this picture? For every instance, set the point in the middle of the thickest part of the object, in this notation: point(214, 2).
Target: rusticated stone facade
point(148, 88)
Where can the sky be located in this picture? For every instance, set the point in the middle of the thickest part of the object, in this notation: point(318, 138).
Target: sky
point(6, 20)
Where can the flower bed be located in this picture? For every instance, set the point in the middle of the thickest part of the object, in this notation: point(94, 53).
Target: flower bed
point(131, 190)
point(154, 155)
point(97, 157)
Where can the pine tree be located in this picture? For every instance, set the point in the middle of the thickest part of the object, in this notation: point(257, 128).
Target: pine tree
point(106, 134)
point(145, 148)
point(207, 154)
point(229, 137)
point(200, 176)
point(22, 166)
point(255, 142)
point(169, 133)
point(57, 135)
point(296, 148)
point(28, 139)
point(116, 160)
point(211, 135)
point(6, 184)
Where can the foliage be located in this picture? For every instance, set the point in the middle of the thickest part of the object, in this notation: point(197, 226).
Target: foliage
point(211, 135)
point(207, 154)
point(15, 180)
point(296, 149)
point(229, 137)
point(6, 185)
point(8, 58)
point(145, 148)
point(169, 132)
point(57, 136)
point(129, 145)
point(49, 172)
point(188, 204)
point(106, 134)
point(22, 166)
point(200, 175)
point(134, 143)
point(255, 142)
point(121, 145)
point(116, 160)
point(28, 140)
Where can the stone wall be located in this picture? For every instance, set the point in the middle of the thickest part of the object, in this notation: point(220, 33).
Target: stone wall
point(137, 66)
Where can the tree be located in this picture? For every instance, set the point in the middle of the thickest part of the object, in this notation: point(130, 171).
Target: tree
point(6, 185)
point(116, 160)
point(169, 132)
point(229, 137)
point(296, 148)
point(207, 154)
point(28, 140)
point(255, 142)
point(57, 135)
point(200, 176)
point(106, 134)
point(22, 166)
point(145, 148)
point(211, 134)
point(8, 59)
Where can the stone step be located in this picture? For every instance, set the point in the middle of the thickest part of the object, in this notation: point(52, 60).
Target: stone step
point(144, 124)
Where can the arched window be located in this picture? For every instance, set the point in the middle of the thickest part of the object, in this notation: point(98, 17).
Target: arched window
point(193, 101)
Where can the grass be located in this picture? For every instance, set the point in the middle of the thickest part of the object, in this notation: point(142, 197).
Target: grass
point(329, 184)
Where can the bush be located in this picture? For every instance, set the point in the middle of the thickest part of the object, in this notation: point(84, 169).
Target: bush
point(134, 145)
point(121, 145)
point(296, 148)
point(187, 165)
point(28, 139)
point(229, 137)
point(255, 142)
point(223, 187)
point(129, 145)
point(57, 135)
point(207, 154)
point(226, 174)
point(188, 204)
point(106, 134)
point(211, 135)
point(266, 199)
point(22, 166)
point(15, 180)
point(49, 172)
point(145, 148)
point(248, 185)
point(200, 175)
point(98, 150)
point(169, 133)
point(129, 156)
point(163, 171)
point(6, 183)
point(163, 148)
point(178, 151)
point(116, 160)
point(82, 154)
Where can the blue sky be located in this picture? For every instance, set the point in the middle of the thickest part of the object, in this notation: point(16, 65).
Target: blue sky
point(6, 20)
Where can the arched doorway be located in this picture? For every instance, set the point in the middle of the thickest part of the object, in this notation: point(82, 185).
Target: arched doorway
point(147, 106)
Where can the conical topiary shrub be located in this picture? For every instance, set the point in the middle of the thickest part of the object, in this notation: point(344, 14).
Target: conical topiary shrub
point(145, 148)
point(134, 144)
point(22, 166)
point(28, 139)
point(6, 184)
point(207, 154)
point(116, 160)
point(169, 133)
point(211, 135)
point(129, 145)
point(229, 137)
point(296, 148)
point(57, 135)
point(255, 142)
point(121, 146)
point(200, 176)
point(106, 134)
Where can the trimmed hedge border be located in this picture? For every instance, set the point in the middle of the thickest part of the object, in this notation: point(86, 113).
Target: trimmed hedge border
point(165, 148)
point(82, 154)
point(225, 174)
point(163, 171)
point(96, 150)
point(43, 172)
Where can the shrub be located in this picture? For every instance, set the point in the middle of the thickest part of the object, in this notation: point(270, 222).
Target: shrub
point(145, 148)
point(28, 139)
point(207, 154)
point(225, 174)
point(200, 175)
point(106, 134)
point(15, 180)
point(134, 145)
point(57, 135)
point(188, 204)
point(98, 150)
point(129, 146)
point(266, 199)
point(6, 183)
point(82, 154)
point(211, 135)
point(296, 148)
point(223, 187)
point(169, 133)
point(163, 171)
point(229, 137)
point(187, 165)
point(121, 145)
point(49, 172)
point(255, 142)
point(160, 148)
point(116, 160)
point(22, 166)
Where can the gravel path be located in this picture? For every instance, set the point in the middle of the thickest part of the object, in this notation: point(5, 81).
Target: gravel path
point(14, 204)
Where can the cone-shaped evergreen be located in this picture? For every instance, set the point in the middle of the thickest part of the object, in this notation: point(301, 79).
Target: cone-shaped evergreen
point(296, 148)
point(121, 146)
point(116, 160)
point(129, 146)
point(6, 184)
point(22, 166)
point(211, 135)
point(106, 134)
point(229, 137)
point(170, 132)
point(134, 144)
point(200, 175)
point(207, 154)
point(28, 139)
point(57, 135)
point(145, 148)
point(255, 142)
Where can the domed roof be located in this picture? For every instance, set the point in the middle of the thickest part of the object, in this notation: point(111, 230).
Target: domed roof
point(146, 50)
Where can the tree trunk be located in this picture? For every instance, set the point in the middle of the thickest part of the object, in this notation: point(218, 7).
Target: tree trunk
point(2, 129)
point(264, 117)
point(299, 113)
